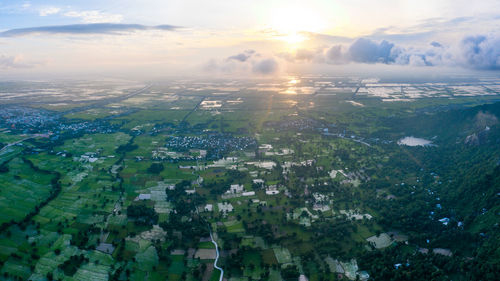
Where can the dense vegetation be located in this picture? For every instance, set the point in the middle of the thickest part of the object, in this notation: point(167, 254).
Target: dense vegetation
point(312, 187)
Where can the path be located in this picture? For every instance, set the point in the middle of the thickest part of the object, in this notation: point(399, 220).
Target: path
point(193, 110)
point(217, 257)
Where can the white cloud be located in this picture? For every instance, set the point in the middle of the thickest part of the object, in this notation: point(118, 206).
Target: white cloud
point(49, 11)
point(265, 66)
point(10, 62)
point(244, 63)
point(94, 16)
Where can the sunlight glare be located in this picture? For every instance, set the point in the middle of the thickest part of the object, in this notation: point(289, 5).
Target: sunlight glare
point(291, 23)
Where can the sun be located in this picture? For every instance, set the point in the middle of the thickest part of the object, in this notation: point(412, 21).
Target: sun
point(293, 38)
point(292, 23)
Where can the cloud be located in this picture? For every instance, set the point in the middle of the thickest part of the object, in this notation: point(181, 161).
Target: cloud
point(49, 11)
point(225, 66)
point(94, 16)
point(305, 54)
point(436, 44)
point(335, 55)
point(82, 29)
point(473, 52)
point(481, 52)
point(242, 57)
point(408, 58)
point(239, 57)
point(265, 66)
point(10, 62)
point(428, 29)
point(368, 51)
point(89, 16)
point(243, 63)
point(210, 66)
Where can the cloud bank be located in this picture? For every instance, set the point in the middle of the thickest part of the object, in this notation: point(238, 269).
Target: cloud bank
point(367, 51)
point(242, 57)
point(244, 63)
point(265, 66)
point(481, 52)
point(11, 62)
point(85, 16)
point(82, 29)
point(49, 11)
point(94, 16)
point(478, 52)
point(472, 52)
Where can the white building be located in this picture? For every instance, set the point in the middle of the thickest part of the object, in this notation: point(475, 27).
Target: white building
point(248, 193)
point(272, 190)
point(143, 196)
point(258, 181)
point(225, 207)
point(235, 189)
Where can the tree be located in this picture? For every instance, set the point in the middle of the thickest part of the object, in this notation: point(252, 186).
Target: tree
point(156, 168)
point(142, 215)
point(290, 272)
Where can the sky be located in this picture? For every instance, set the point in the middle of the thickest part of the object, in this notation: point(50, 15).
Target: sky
point(243, 38)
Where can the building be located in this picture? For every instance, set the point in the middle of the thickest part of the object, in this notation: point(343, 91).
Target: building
point(225, 207)
point(143, 196)
point(235, 189)
point(248, 193)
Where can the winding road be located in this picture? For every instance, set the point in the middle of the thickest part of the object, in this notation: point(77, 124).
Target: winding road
point(217, 257)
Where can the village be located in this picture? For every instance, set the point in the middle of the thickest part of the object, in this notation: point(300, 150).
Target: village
point(180, 187)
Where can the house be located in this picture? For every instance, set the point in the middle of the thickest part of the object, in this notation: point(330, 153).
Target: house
point(441, 251)
point(225, 207)
point(302, 277)
point(259, 182)
point(272, 190)
point(143, 196)
point(265, 148)
point(235, 189)
point(248, 193)
point(209, 208)
point(445, 221)
point(106, 248)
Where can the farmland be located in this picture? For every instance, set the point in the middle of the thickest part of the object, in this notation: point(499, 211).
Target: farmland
point(130, 186)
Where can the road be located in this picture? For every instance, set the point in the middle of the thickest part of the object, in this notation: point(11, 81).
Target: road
point(19, 141)
point(193, 110)
point(217, 257)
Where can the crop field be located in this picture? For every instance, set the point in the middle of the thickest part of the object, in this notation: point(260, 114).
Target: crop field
point(133, 188)
point(23, 189)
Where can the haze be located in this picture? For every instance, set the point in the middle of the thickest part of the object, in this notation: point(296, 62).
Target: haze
point(44, 39)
